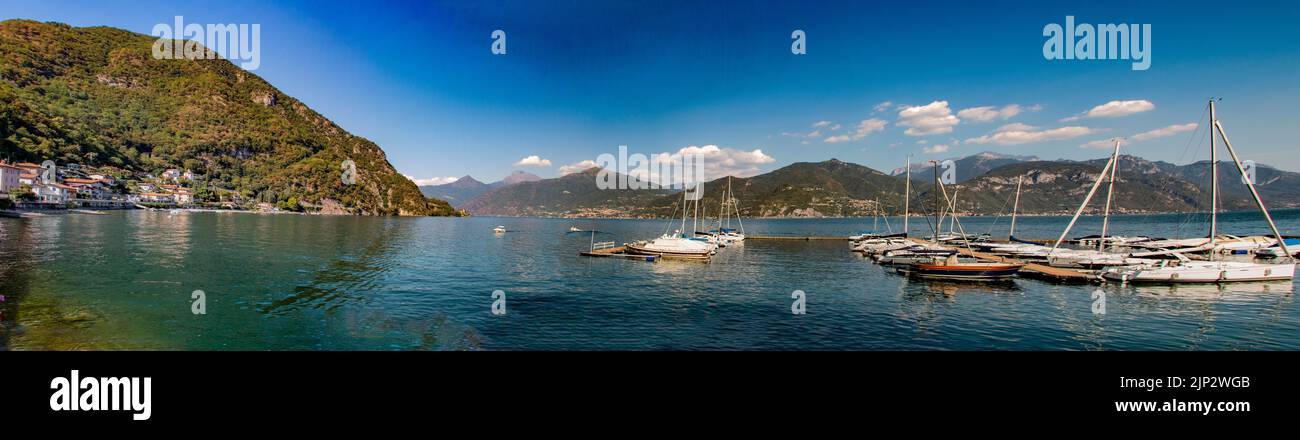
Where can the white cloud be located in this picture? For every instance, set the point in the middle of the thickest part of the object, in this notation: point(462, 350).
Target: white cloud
point(990, 113)
point(1017, 133)
point(935, 149)
point(932, 118)
point(866, 127)
point(720, 162)
point(1144, 136)
point(882, 107)
point(1165, 131)
point(715, 161)
point(577, 167)
point(1115, 109)
point(820, 124)
point(432, 180)
point(533, 161)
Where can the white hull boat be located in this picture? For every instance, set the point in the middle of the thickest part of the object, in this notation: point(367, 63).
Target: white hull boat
point(1175, 271)
point(673, 246)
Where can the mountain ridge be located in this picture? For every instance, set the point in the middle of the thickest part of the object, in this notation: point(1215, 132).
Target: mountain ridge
point(96, 96)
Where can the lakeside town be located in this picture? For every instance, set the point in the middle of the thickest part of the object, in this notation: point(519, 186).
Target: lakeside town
point(27, 186)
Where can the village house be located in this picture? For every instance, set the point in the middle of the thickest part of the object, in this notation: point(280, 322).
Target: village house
point(89, 188)
point(53, 192)
point(9, 177)
point(106, 179)
point(157, 198)
point(183, 196)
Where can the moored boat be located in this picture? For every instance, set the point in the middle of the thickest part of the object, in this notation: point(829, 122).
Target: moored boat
point(670, 245)
point(1183, 271)
point(952, 269)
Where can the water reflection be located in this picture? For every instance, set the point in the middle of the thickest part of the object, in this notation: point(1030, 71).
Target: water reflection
point(16, 244)
point(302, 282)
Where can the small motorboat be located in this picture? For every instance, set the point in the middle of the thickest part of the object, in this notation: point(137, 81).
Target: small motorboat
point(952, 268)
point(499, 229)
point(574, 229)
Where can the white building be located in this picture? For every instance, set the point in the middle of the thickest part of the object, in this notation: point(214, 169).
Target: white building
point(54, 192)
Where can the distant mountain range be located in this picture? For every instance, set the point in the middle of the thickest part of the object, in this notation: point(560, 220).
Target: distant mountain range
point(968, 167)
point(465, 188)
point(836, 188)
point(573, 195)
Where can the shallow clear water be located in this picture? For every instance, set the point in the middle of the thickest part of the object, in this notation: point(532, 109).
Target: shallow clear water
point(287, 282)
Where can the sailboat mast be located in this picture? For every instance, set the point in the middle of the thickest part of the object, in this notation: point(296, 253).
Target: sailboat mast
point(875, 218)
point(938, 211)
point(684, 212)
point(1251, 184)
point(1110, 193)
point(907, 194)
point(952, 212)
point(1015, 207)
point(1214, 181)
point(1086, 199)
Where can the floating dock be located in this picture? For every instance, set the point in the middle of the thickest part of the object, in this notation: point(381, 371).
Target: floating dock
point(617, 252)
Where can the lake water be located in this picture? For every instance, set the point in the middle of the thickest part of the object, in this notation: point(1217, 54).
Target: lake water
point(287, 282)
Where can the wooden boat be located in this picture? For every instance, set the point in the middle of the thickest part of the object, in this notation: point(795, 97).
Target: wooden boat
point(952, 269)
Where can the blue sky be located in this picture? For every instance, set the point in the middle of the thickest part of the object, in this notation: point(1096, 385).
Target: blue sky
point(581, 78)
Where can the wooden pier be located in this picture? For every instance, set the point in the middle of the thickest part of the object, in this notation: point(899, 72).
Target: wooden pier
point(793, 238)
point(1035, 270)
point(617, 252)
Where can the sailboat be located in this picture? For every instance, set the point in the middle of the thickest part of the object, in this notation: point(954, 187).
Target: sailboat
point(1099, 257)
point(950, 266)
point(678, 244)
point(871, 244)
point(1185, 271)
point(725, 233)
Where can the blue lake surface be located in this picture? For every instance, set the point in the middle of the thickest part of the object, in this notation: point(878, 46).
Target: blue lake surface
point(287, 282)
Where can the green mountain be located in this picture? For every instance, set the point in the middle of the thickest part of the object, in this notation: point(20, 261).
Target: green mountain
point(805, 189)
point(968, 167)
point(1057, 187)
point(96, 96)
point(573, 195)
